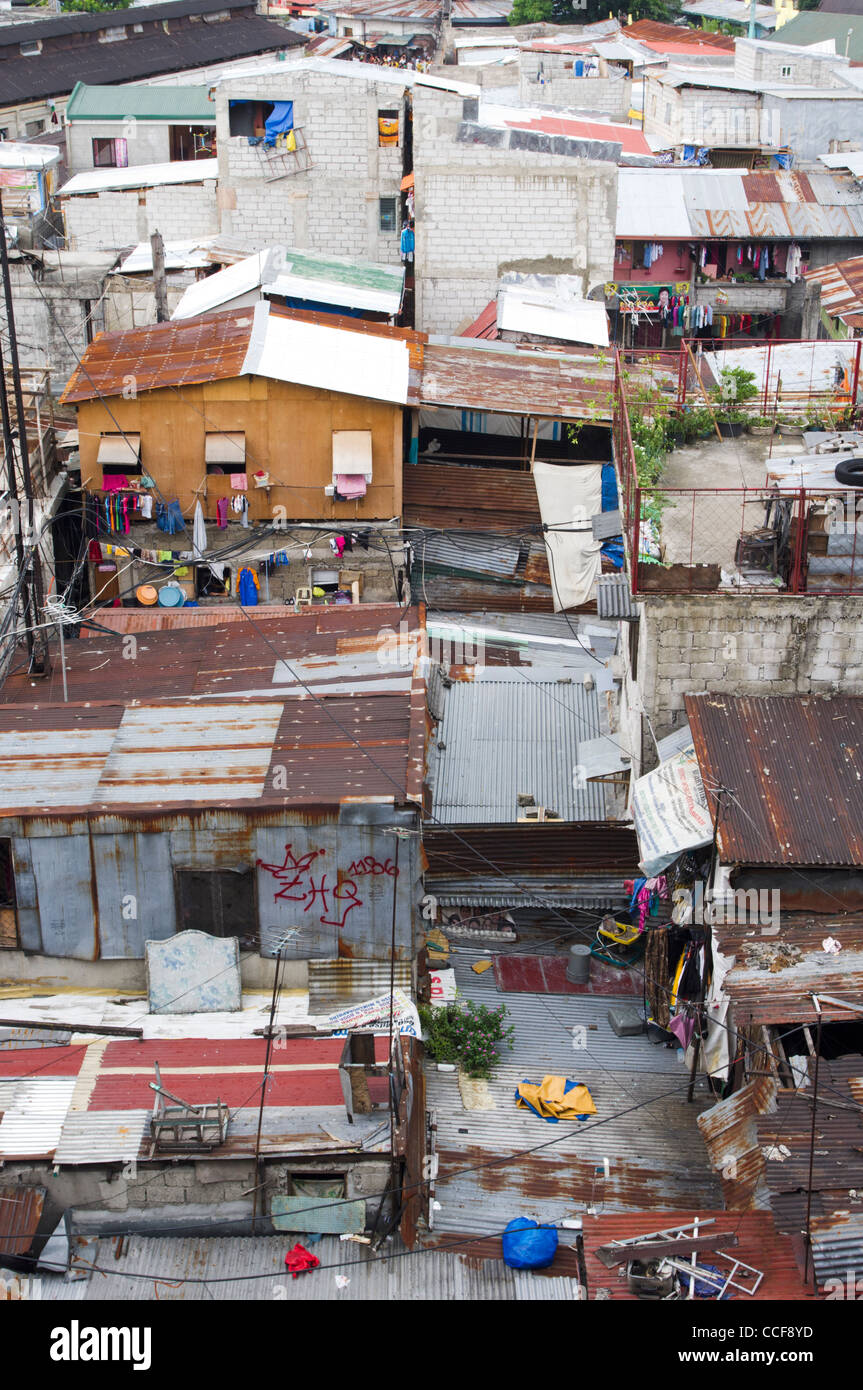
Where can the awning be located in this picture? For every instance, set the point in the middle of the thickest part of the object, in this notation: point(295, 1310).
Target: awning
point(407, 182)
point(226, 448)
point(119, 448)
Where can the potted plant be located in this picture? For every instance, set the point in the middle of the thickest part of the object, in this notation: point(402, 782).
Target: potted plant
point(762, 424)
point(789, 424)
point(732, 423)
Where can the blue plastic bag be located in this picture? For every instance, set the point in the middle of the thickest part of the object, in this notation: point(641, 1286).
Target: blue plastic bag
point(527, 1245)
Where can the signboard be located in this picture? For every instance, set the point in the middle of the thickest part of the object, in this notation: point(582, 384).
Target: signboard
point(374, 1016)
point(671, 813)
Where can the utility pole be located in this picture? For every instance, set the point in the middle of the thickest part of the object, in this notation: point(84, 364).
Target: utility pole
point(37, 643)
point(160, 284)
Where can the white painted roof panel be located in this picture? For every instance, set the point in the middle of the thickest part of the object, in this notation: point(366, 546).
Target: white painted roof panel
point(141, 176)
point(313, 355)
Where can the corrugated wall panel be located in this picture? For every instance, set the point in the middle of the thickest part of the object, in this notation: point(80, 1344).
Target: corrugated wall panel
point(136, 892)
point(64, 887)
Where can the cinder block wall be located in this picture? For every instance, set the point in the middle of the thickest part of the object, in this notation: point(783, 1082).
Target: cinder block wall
point(333, 207)
point(119, 218)
point(483, 210)
point(745, 646)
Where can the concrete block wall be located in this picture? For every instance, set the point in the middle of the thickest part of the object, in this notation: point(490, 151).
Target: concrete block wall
point(745, 645)
point(51, 321)
point(698, 115)
point(606, 95)
point(118, 218)
point(147, 142)
point(333, 207)
point(484, 210)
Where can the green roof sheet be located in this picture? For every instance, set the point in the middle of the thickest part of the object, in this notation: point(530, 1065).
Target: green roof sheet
point(144, 103)
point(815, 26)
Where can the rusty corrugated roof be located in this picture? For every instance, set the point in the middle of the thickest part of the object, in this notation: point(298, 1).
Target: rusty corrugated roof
point(783, 994)
point(670, 37)
point(453, 497)
point(188, 352)
point(760, 1245)
point(792, 767)
point(841, 288)
point(730, 1131)
point(212, 347)
point(20, 1214)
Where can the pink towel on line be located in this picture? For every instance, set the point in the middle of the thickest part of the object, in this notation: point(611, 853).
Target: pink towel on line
point(351, 484)
point(238, 482)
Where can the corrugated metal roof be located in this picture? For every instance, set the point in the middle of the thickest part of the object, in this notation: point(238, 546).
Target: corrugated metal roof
point(499, 740)
point(659, 36)
point(102, 1136)
point(145, 102)
point(397, 1275)
point(463, 498)
point(140, 176)
point(614, 597)
point(33, 1118)
point(655, 1152)
point(769, 753)
point(516, 381)
point(20, 1214)
point(468, 555)
point(759, 1245)
point(310, 349)
point(841, 287)
point(730, 1130)
point(760, 996)
point(333, 984)
point(729, 204)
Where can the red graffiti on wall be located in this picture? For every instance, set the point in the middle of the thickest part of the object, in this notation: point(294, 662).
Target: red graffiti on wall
point(298, 885)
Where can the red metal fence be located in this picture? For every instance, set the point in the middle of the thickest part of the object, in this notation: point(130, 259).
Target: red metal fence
point(749, 540)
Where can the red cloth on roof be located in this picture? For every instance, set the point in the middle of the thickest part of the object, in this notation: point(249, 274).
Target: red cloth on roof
point(300, 1260)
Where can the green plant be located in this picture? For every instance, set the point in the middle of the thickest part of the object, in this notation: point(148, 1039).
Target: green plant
point(471, 1036)
point(736, 385)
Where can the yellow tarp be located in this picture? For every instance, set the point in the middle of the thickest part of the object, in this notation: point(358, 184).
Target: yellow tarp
point(550, 1101)
point(480, 965)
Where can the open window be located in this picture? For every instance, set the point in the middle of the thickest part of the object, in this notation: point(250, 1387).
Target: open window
point(220, 903)
point(119, 456)
point(352, 464)
point(249, 117)
point(110, 154)
point(189, 142)
point(388, 214)
point(388, 128)
point(225, 453)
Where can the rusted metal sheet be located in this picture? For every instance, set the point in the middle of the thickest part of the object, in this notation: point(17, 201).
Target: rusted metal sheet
point(837, 1156)
point(20, 1214)
point(730, 1130)
point(760, 1245)
point(760, 995)
point(184, 353)
point(522, 382)
point(841, 287)
point(451, 497)
point(772, 754)
point(415, 1192)
point(574, 849)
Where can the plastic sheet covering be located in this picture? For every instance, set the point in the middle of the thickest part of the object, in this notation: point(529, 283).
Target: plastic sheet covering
point(279, 121)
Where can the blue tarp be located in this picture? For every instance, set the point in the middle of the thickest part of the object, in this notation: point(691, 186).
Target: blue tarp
point(279, 122)
point(613, 548)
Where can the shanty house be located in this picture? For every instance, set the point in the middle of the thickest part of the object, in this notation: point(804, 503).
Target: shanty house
point(299, 416)
point(243, 780)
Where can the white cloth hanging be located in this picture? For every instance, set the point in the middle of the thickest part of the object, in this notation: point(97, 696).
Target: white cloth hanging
point(199, 531)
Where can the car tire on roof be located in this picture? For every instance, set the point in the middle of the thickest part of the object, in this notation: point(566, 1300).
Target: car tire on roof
point(850, 472)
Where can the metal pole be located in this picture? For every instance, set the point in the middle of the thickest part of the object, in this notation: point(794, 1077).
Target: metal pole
point(61, 625)
point(817, 1003)
point(39, 659)
point(267, 1056)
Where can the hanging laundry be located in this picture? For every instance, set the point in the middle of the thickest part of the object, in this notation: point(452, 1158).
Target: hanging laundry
point(407, 244)
point(222, 513)
point(248, 587)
